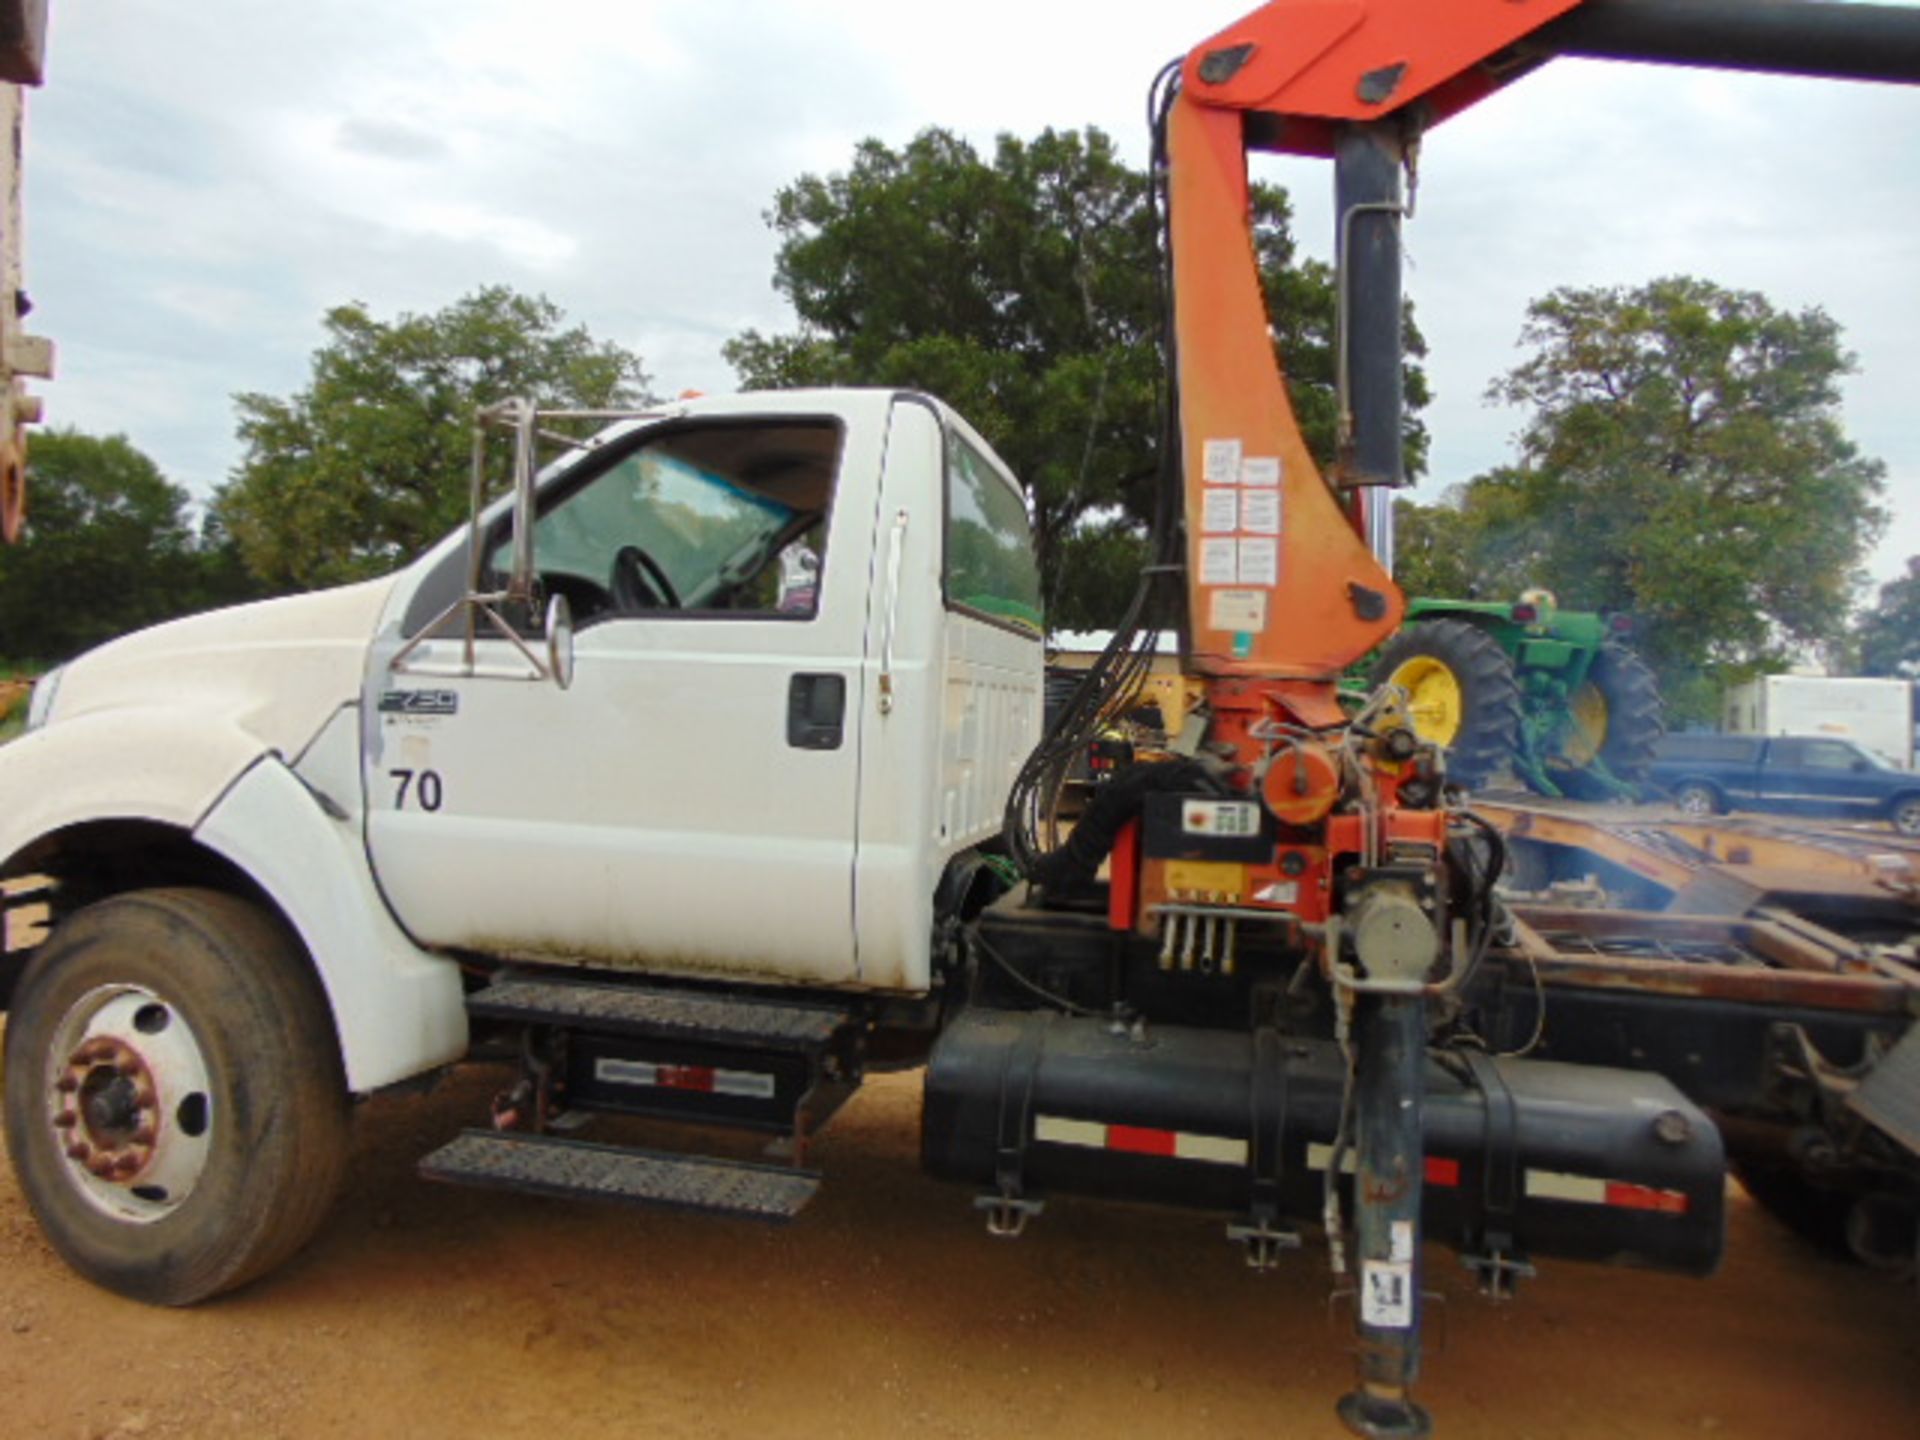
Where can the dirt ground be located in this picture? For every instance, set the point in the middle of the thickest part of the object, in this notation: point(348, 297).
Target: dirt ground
point(886, 1311)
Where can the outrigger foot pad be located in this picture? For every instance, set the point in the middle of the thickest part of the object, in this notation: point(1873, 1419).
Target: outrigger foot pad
point(1383, 1417)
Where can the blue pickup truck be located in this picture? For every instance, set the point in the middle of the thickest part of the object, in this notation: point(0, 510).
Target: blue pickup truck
point(1791, 774)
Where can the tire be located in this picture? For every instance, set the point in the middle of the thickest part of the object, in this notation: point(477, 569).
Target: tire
point(1463, 694)
point(1905, 814)
point(1615, 716)
point(136, 1000)
point(1817, 1216)
point(1697, 799)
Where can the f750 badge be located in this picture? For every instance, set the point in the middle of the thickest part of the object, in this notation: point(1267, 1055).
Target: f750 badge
point(419, 702)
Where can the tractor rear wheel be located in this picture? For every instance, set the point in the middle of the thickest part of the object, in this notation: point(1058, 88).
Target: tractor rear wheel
point(1614, 717)
point(1460, 693)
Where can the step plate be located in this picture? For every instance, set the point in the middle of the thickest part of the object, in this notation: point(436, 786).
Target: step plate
point(673, 1014)
point(577, 1169)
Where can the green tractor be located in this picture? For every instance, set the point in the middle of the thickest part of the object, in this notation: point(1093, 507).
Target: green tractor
point(1556, 695)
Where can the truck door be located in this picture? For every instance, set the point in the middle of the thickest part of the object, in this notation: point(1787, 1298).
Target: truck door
point(1819, 777)
point(688, 804)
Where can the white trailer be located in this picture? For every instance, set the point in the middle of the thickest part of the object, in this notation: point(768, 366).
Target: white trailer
point(1876, 713)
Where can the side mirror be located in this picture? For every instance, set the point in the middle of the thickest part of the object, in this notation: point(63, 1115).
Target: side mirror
point(560, 641)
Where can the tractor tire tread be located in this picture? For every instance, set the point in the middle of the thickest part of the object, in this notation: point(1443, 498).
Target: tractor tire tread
point(1490, 695)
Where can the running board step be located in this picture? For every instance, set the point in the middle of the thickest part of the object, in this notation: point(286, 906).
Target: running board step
point(658, 1013)
point(577, 1169)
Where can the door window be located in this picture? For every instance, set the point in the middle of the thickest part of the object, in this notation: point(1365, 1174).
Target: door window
point(1815, 754)
point(990, 567)
point(707, 520)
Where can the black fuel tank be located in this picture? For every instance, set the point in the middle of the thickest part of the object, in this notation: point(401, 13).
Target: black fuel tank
point(1527, 1156)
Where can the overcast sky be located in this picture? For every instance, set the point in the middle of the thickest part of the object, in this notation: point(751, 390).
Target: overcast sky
point(205, 179)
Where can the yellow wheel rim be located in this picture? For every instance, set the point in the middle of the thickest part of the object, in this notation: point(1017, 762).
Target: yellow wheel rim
point(1586, 728)
point(1434, 704)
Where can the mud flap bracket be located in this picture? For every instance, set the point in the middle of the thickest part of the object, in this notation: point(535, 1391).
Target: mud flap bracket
point(1008, 1206)
point(1261, 1232)
point(1496, 1261)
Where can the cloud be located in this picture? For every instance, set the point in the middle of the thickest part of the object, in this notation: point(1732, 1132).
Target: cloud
point(390, 140)
point(204, 181)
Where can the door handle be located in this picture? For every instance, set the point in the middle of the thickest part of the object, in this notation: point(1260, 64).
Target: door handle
point(816, 711)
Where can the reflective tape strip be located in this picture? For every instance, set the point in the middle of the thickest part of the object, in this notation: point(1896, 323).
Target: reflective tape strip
point(1439, 1170)
point(1591, 1190)
point(1623, 1196)
point(1058, 1131)
point(1139, 1140)
point(1136, 1140)
point(1540, 1184)
point(1214, 1149)
point(698, 1079)
point(1556, 1185)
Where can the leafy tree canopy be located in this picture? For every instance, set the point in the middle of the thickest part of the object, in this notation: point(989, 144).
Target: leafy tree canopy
point(1683, 461)
point(110, 546)
point(370, 463)
point(1021, 289)
point(1889, 632)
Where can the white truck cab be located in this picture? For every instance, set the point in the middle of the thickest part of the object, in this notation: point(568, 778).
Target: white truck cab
point(802, 667)
point(742, 779)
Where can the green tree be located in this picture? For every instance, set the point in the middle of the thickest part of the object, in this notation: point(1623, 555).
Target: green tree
point(1021, 289)
point(1888, 634)
point(1683, 461)
point(110, 546)
point(370, 463)
point(1433, 548)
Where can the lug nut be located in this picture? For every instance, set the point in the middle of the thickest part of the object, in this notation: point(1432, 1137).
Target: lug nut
point(142, 1136)
point(101, 1166)
point(129, 1067)
point(79, 1151)
point(66, 1084)
point(66, 1120)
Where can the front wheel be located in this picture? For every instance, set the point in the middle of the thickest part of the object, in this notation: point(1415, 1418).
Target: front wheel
point(1906, 815)
point(175, 1106)
point(1697, 800)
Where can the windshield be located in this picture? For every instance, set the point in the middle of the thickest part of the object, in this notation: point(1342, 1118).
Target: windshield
point(1880, 762)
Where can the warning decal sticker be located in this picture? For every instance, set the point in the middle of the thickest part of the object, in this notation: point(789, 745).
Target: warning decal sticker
point(1220, 464)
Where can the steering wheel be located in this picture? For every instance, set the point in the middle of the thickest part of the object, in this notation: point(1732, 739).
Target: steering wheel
point(638, 582)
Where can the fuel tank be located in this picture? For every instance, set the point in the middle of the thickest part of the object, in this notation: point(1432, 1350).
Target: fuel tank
point(1523, 1157)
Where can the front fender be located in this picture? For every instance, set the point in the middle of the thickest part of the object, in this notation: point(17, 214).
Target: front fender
point(397, 1009)
point(126, 764)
